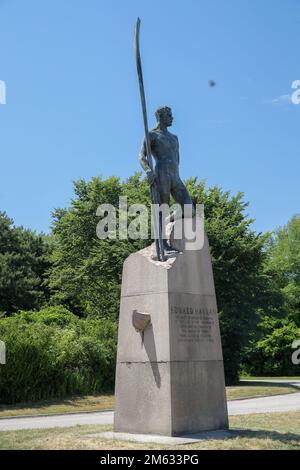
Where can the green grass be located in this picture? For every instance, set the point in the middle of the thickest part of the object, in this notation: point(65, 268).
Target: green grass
point(67, 405)
point(272, 431)
point(257, 390)
point(104, 402)
point(250, 377)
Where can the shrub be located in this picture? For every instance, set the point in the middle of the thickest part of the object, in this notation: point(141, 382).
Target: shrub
point(272, 355)
point(52, 354)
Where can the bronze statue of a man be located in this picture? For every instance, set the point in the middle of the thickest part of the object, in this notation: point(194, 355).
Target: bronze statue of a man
point(165, 150)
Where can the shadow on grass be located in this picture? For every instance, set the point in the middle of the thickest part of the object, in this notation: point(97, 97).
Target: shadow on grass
point(251, 439)
point(284, 437)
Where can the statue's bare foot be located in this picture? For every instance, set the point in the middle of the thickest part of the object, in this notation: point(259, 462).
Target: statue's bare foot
point(169, 249)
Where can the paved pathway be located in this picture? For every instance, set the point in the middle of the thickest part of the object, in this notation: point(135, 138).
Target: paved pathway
point(63, 420)
point(279, 403)
point(276, 403)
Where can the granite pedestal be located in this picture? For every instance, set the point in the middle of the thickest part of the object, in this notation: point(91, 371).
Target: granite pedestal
point(169, 377)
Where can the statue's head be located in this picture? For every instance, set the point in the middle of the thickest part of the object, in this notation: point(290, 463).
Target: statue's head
point(164, 116)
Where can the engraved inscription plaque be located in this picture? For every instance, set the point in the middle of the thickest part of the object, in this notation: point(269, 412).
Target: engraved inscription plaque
point(194, 324)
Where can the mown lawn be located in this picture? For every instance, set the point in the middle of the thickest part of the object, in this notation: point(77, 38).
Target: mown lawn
point(257, 431)
point(248, 377)
point(258, 390)
point(67, 405)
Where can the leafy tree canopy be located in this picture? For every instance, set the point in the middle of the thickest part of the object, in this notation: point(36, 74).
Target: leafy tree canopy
point(24, 258)
point(283, 263)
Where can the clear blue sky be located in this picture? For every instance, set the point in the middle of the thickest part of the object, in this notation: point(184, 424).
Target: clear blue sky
point(73, 107)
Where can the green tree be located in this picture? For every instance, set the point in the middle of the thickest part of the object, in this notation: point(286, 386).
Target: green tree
point(270, 348)
point(283, 262)
point(86, 272)
point(24, 259)
point(271, 353)
point(237, 256)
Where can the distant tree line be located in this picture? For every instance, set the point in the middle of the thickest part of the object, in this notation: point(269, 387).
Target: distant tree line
point(73, 273)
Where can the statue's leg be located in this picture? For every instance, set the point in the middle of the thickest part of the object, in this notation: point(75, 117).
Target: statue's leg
point(164, 188)
point(163, 185)
point(182, 197)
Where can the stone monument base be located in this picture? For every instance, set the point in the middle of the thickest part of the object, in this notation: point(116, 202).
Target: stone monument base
point(169, 377)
